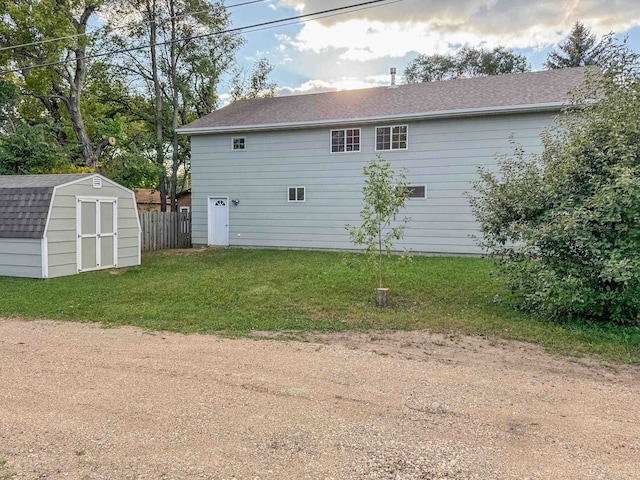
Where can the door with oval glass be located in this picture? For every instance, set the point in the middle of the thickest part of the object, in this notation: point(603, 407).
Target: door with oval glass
point(97, 233)
point(218, 213)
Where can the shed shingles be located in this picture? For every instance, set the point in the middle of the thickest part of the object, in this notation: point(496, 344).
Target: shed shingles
point(535, 88)
point(24, 203)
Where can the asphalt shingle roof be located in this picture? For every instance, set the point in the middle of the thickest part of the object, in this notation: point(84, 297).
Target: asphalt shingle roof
point(24, 203)
point(495, 92)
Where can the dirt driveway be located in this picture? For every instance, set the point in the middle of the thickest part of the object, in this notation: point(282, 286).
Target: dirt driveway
point(81, 402)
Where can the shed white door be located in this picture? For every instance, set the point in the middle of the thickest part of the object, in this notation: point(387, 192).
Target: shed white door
point(219, 221)
point(97, 233)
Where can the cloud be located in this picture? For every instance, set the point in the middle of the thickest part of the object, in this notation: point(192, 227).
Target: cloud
point(430, 26)
point(319, 86)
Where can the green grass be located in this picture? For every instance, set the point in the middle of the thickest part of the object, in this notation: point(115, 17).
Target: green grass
point(237, 291)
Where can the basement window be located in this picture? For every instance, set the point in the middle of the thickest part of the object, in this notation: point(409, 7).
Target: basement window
point(238, 143)
point(416, 191)
point(345, 140)
point(394, 137)
point(296, 194)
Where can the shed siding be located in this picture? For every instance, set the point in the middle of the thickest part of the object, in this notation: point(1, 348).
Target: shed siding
point(61, 231)
point(442, 154)
point(21, 257)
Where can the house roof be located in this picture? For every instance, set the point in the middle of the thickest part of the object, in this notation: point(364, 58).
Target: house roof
point(474, 96)
point(25, 200)
point(148, 196)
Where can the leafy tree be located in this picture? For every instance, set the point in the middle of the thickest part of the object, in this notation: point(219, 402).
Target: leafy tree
point(257, 85)
point(31, 149)
point(468, 62)
point(58, 87)
point(178, 76)
point(8, 100)
point(565, 225)
point(384, 195)
point(578, 49)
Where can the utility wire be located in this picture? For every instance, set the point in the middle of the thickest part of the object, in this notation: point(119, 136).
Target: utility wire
point(77, 35)
point(353, 7)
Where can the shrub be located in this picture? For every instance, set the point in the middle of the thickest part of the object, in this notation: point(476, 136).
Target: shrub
point(565, 225)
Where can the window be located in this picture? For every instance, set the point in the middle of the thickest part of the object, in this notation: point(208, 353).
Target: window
point(416, 191)
point(346, 140)
point(296, 194)
point(392, 138)
point(185, 209)
point(238, 143)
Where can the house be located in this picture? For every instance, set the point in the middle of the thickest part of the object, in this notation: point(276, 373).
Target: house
point(148, 200)
point(55, 225)
point(286, 172)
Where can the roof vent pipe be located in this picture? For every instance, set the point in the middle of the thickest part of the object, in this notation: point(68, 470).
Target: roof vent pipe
point(393, 78)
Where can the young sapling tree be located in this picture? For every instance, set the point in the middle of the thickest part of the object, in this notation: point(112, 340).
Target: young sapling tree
point(384, 195)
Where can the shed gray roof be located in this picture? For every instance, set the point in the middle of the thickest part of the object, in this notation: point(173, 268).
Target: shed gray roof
point(547, 89)
point(24, 203)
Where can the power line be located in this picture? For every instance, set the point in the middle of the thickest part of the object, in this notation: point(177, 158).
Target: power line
point(77, 35)
point(369, 4)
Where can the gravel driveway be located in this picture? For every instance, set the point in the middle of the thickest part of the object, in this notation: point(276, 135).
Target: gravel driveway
point(81, 402)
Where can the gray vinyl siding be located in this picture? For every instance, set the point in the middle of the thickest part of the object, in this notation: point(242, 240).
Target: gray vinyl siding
point(61, 232)
point(442, 154)
point(21, 257)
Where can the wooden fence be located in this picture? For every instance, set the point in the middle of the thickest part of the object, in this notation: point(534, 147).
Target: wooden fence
point(162, 230)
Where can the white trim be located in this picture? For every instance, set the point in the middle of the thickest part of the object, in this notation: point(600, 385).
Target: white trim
point(463, 112)
point(45, 257)
point(345, 140)
point(244, 144)
point(390, 127)
point(296, 188)
point(217, 197)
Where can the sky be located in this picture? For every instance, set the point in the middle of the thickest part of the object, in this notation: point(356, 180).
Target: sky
point(357, 49)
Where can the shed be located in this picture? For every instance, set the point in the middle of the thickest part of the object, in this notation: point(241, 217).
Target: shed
point(56, 225)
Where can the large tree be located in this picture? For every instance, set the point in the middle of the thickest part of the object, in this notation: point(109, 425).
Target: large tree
point(578, 49)
point(189, 51)
point(565, 225)
point(59, 86)
point(256, 85)
point(468, 62)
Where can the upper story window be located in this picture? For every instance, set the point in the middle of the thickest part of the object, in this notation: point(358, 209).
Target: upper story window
point(345, 140)
point(238, 143)
point(392, 138)
point(296, 194)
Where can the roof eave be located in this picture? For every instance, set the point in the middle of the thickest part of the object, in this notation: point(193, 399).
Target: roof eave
point(467, 112)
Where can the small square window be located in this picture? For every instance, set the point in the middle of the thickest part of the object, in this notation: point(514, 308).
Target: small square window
point(238, 143)
point(296, 194)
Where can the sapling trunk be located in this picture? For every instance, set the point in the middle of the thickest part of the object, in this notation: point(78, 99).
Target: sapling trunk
point(379, 253)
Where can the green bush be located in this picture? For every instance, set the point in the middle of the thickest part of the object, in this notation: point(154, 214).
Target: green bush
point(565, 225)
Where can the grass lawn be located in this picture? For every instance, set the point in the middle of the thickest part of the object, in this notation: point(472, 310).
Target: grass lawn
point(237, 291)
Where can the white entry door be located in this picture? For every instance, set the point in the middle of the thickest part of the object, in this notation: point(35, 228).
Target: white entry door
point(97, 233)
point(219, 221)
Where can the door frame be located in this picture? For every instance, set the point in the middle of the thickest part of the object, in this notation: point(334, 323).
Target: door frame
point(97, 200)
point(209, 226)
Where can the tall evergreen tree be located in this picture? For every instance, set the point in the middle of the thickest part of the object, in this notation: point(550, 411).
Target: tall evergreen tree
point(578, 49)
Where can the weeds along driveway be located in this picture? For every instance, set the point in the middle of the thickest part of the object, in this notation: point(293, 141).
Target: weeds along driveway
point(81, 402)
